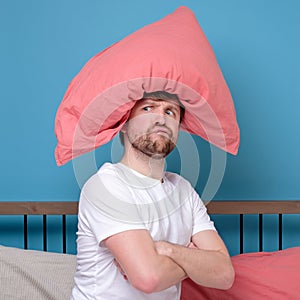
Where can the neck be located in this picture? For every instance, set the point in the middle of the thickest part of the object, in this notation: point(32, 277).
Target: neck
point(140, 162)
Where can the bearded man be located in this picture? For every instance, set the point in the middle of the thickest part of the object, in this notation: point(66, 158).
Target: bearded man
point(142, 230)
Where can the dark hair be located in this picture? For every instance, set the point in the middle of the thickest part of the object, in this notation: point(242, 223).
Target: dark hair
point(160, 95)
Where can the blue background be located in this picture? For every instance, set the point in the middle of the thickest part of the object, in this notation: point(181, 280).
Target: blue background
point(45, 43)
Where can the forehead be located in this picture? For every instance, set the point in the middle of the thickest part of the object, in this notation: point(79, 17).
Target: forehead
point(158, 102)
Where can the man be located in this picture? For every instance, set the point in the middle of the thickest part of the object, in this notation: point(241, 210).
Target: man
point(142, 230)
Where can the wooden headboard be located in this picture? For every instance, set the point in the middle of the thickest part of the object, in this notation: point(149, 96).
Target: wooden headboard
point(214, 207)
point(233, 207)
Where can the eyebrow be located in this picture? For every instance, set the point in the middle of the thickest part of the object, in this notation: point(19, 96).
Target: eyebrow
point(171, 103)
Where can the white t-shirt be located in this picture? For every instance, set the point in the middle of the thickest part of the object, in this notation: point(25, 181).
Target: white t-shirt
point(117, 199)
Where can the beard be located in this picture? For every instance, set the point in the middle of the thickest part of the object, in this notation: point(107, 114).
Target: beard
point(154, 148)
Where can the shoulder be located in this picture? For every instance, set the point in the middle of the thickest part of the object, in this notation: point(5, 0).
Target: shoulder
point(181, 188)
point(107, 193)
point(178, 180)
point(106, 187)
point(107, 176)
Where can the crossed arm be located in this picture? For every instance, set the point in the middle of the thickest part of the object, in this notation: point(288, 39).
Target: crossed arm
point(154, 266)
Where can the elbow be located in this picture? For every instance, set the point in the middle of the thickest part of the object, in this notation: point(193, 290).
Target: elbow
point(147, 284)
point(226, 279)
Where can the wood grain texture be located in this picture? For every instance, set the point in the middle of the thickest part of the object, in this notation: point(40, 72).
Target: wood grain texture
point(254, 207)
point(39, 208)
point(213, 207)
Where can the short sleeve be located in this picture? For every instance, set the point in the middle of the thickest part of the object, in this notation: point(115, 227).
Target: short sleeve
point(102, 214)
point(201, 219)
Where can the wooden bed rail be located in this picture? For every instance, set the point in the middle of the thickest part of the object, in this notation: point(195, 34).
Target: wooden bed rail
point(241, 208)
point(39, 208)
point(214, 207)
point(44, 209)
point(254, 207)
point(259, 208)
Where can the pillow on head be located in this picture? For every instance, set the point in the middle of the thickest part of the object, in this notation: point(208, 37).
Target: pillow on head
point(172, 55)
point(258, 276)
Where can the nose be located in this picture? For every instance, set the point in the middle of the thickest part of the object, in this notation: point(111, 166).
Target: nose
point(160, 117)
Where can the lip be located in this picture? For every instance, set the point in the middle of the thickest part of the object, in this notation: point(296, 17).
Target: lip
point(162, 131)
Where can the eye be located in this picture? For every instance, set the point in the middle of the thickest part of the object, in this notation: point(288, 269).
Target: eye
point(147, 108)
point(169, 112)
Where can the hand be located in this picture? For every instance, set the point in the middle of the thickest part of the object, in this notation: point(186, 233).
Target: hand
point(191, 245)
point(119, 267)
point(163, 248)
point(167, 248)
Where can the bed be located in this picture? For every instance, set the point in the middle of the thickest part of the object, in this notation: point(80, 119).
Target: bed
point(35, 274)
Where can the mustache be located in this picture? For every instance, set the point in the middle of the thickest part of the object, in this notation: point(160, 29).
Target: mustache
point(162, 128)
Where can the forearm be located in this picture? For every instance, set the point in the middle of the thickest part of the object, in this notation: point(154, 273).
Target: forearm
point(141, 264)
point(168, 273)
point(209, 268)
point(164, 272)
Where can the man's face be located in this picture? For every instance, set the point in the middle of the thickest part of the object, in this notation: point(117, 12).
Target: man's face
point(153, 127)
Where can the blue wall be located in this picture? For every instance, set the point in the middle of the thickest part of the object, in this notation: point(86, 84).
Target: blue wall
point(45, 43)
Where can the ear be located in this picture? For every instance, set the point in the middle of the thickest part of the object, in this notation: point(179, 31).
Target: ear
point(124, 128)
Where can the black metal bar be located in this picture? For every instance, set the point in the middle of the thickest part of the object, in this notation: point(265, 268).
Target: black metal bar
point(241, 233)
point(45, 232)
point(260, 222)
point(25, 232)
point(64, 233)
point(280, 231)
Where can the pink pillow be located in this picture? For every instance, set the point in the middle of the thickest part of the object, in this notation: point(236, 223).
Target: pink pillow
point(258, 276)
point(173, 55)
